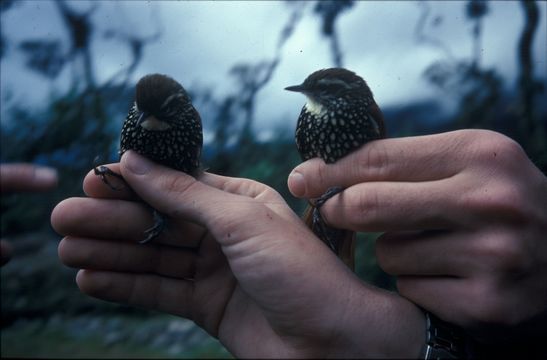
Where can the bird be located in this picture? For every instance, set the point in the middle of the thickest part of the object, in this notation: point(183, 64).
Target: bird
point(339, 117)
point(163, 126)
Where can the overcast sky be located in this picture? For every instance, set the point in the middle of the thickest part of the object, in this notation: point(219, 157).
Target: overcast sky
point(202, 40)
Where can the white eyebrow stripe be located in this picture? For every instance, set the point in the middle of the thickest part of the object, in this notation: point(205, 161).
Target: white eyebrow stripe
point(171, 97)
point(334, 82)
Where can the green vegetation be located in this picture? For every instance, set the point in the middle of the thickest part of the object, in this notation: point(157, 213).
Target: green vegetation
point(113, 337)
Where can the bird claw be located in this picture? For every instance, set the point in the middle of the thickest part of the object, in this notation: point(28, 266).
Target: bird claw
point(156, 229)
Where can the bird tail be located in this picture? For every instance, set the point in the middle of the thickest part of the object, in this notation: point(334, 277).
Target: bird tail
point(341, 242)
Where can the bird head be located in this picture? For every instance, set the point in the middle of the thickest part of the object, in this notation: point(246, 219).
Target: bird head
point(157, 99)
point(325, 86)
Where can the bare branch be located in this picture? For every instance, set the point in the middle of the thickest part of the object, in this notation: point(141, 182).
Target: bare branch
point(421, 35)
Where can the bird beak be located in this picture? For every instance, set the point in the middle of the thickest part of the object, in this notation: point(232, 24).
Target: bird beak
point(297, 88)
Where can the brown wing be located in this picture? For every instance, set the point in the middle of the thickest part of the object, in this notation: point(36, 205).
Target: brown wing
point(376, 113)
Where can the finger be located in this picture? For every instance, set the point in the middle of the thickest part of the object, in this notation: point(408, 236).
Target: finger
point(101, 218)
point(85, 253)
point(238, 186)
point(116, 188)
point(427, 253)
point(118, 220)
point(27, 177)
point(252, 189)
point(179, 195)
point(142, 290)
point(395, 206)
point(419, 158)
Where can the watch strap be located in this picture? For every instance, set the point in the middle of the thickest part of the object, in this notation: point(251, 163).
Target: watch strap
point(443, 340)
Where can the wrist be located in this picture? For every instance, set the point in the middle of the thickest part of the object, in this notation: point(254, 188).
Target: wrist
point(380, 324)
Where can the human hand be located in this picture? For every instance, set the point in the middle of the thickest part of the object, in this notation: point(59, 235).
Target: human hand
point(464, 215)
point(236, 260)
point(21, 177)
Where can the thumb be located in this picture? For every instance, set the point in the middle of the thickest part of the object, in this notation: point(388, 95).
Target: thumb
point(171, 192)
point(313, 177)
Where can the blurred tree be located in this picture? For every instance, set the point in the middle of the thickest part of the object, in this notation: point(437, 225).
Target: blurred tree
point(75, 127)
point(422, 36)
point(4, 6)
point(329, 11)
point(80, 29)
point(483, 101)
point(475, 11)
point(44, 56)
point(235, 140)
point(68, 133)
point(529, 87)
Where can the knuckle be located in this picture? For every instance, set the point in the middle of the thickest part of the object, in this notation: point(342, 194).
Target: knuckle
point(510, 201)
point(269, 194)
point(508, 149)
point(250, 188)
point(362, 210)
point(502, 200)
point(317, 175)
point(322, 176)
point(505, 253)
point(498, 194)
point(376, 159)
point(255, 188)
point(492, 146)
point(177, 184)
point(491, 305)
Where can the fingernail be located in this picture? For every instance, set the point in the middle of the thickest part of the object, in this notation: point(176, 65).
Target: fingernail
point(137, 164)
point(297, 184)
point(45, 175)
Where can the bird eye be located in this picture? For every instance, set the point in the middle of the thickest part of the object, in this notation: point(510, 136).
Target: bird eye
point(331, 85)
point(335, 87)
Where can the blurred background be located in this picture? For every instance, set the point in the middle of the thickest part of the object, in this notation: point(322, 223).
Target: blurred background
point(68, 70)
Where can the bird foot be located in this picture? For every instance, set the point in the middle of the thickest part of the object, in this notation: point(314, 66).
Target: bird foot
point(102, 171)
point(156, 229)
point(328, 234)
point(327, 195)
